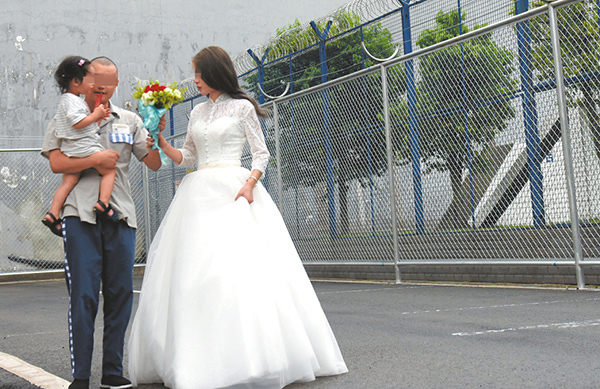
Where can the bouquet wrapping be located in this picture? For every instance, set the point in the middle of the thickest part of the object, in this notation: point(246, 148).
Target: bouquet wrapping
point(154, 101)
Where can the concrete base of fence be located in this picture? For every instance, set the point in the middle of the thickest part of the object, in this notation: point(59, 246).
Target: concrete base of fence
point(48, 275)
point(549, 275)
point(554, 275)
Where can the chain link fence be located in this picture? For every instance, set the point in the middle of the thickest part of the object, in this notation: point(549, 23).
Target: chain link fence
point(26, 189)
point(453, 153)
point(475, 151)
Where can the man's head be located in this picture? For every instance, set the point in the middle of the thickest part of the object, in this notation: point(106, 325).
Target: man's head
point(105, 81)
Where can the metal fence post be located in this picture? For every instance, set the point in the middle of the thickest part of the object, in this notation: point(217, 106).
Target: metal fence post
point(172, 126)
point(147, 229)
point(566, 137)
point(326, 111)
point(530, 116)
point(412, 120)
point(278, 156)
point(261, 71)
point(390, 163)
point(598, 12)
point(291, 74)
point(466, 117)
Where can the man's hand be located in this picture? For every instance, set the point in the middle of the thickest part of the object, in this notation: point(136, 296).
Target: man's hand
point(161, 126)
point(106, 159)
point(152, 160)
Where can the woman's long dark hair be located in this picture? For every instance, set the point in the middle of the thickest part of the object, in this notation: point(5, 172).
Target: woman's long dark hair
point(217, 71)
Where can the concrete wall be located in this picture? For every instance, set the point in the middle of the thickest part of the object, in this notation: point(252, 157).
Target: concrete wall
point(149, 38)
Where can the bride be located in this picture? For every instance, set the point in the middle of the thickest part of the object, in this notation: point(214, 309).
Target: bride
point(225, 300)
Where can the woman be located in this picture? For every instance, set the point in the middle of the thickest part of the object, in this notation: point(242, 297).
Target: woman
point(226, 301)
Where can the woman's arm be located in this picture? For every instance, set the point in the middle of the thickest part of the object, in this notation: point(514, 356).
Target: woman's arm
point(256, 139)
point(60, 163)
point(186, 156)
point(258, 148)
point(170, 151)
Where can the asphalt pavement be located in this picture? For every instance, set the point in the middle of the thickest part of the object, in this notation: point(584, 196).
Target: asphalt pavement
point(391, 336)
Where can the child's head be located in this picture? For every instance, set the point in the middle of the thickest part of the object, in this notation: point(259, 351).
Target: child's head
point(71, 68)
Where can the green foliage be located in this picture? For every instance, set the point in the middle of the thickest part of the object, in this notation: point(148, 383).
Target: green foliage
point(447, 26)
point(344, 54)
point(456, 88)
point(580, 40)
point(352, 108)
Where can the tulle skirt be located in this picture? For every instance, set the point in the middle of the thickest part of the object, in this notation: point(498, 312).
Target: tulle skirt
point(225, 300)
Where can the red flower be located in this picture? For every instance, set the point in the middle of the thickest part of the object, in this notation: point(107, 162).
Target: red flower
point(158, 88)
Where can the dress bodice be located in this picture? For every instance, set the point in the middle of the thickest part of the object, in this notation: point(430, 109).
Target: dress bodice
point(218, 131)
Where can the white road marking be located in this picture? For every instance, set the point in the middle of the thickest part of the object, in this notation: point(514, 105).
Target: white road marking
point(498, 306)
point(369, 290)
point(570, 324)
point(35, 333)
point(31, 373)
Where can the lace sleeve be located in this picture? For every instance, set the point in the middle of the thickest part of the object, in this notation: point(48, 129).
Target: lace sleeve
point(256, 139)
point(188, 152)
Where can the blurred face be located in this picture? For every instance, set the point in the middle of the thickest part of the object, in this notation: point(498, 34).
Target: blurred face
point(105, 83)
point(84, 86)
point(203, 88)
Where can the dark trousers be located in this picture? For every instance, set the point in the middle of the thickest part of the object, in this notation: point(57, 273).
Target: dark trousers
point(95, 255)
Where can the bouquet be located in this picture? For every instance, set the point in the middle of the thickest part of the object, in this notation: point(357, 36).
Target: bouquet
point(154, 101)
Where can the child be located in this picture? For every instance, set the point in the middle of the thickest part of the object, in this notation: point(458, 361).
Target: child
point(78, 128)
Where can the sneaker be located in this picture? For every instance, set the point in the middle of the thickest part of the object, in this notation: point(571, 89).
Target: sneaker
point(115, 382)
point(80, 384)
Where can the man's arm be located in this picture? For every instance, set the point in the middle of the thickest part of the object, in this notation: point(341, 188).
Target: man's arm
point(152, 160)
point(60, 163)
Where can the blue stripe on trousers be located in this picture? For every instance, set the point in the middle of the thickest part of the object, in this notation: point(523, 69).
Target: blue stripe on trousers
point(98, 255)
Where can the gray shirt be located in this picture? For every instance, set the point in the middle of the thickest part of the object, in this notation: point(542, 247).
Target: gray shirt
point(122, 131)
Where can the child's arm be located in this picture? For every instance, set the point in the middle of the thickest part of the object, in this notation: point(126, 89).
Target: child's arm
point(99, 113)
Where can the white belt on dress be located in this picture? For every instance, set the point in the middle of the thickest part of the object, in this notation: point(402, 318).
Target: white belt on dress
point(216, 165)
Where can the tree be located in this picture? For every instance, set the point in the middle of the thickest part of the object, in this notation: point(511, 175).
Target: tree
point(344, 54)
point(346, 115)
point(458, 93)
point(579, 34)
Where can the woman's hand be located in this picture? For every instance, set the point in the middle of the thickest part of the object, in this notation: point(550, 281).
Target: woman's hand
point(246, 191)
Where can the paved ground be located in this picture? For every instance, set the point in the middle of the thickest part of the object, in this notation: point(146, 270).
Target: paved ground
point(392, 336)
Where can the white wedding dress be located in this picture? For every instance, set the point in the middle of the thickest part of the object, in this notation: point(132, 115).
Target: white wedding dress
point(225, 300)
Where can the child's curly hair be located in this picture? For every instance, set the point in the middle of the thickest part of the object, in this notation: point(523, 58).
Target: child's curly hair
point(71, 68)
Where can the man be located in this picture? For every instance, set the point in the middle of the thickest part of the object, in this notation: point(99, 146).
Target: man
point(98, 251)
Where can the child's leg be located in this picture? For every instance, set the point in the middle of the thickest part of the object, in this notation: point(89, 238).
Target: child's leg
point(107, 182)
point(60, 196)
